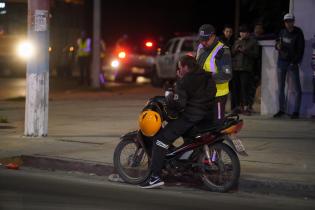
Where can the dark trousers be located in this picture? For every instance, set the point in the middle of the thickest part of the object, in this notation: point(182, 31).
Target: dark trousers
point(232, 86)
point(164, 138)
point(241, 87)
point(254, 83)
point(84, 65)
point(219, 111)
point(283, 68)
point(255, 79)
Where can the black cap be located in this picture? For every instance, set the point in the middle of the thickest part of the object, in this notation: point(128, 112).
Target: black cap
point(244, 28)
point(205, 31)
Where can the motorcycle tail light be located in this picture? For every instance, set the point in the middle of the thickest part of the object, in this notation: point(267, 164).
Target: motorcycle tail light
point(233, 129)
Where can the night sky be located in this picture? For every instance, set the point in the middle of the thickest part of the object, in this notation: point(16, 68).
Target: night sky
point(142, 19)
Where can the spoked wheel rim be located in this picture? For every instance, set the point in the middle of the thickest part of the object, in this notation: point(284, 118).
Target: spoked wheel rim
point(134, 162)
point(223, 171)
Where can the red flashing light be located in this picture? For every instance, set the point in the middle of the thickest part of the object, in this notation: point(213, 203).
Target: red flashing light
point(121, 54)
point(149, 44)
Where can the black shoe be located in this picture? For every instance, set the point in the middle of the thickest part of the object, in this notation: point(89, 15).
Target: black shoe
point(279, 114)
point(153, 182)
point(247, 112)
point(295, 115)
point(237, 110)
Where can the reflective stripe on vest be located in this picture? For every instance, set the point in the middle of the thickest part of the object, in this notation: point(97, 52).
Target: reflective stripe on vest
point(211, 66)
point(83, 45)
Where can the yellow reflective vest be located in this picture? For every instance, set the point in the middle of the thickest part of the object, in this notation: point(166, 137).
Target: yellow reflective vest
point(211, 66)
point(84, 47)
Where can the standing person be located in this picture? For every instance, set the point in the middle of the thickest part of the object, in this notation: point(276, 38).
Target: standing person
point(254, 82)
point(259, 31)
point(245, 52)
point(215, 57)
point(193, 99)
point(228, 40)
point(290, 45)
point(84, 57)
point(65, 61)
point(227, 36)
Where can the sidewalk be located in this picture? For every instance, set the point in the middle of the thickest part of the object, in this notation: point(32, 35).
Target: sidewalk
point(84, 128)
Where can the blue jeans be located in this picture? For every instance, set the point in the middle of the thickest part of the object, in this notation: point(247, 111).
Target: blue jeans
point(283, 68)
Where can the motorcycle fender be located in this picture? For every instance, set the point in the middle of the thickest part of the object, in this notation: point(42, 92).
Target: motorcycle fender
point(231, 144)
point(131, 135)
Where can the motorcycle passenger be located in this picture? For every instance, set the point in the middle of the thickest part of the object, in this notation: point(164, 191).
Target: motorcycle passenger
point(193, 98)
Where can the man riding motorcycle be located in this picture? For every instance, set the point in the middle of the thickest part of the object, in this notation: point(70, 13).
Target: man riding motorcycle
point(193, 99)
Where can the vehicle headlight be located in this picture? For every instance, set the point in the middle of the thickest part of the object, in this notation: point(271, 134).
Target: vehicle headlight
point(115, 63)
point(25, 50)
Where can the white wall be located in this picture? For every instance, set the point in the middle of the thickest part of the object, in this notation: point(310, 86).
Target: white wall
point(305, 19)
point(269, 83)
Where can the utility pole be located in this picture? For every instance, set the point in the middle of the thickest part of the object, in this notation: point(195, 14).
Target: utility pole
point(237, 17)
point(37, 74)
point(291, 9)
point(96, 66)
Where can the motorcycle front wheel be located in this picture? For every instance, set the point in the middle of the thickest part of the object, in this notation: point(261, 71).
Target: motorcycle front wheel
point(222, 172)
point(131, 162)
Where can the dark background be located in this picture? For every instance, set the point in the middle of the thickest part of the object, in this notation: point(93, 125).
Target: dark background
point(164, 18)
point(145, 19)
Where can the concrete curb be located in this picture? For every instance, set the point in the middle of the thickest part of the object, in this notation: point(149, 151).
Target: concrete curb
point(246, 184)
point(286, 188)
point(51, 163)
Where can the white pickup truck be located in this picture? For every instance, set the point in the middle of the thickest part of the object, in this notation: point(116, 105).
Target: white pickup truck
point(166, 61)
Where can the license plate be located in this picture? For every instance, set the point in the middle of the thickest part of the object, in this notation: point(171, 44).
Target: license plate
point(238, 144)
point(137, 70)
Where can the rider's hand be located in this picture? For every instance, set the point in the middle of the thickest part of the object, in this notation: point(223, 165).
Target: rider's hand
point(169, 95)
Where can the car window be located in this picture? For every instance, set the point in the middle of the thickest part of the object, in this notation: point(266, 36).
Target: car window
point(188, 46)
point(175, 46)
point(168, 47)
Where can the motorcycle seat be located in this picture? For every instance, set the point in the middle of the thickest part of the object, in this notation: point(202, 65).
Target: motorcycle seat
point(208, 125)
point(203, 127)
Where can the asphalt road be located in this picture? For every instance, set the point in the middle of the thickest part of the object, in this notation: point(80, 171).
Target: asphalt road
point(15, 88)
point(35, 189)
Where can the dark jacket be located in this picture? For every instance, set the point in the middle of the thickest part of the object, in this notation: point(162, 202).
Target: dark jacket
point(292, 45)
point(245, 61)
point(227, 42)
point(194, 95)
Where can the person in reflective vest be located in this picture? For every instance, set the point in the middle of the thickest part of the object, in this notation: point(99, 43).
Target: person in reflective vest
point(215, 57)
point(84, 57)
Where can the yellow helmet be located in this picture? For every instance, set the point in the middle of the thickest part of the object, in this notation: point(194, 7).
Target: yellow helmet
point(149, 122)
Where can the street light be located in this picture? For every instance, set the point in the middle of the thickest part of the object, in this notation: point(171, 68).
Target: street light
point(25, 50)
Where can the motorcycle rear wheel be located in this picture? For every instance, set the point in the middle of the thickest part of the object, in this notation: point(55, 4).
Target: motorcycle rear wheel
point(131, 162)
point(223, 173)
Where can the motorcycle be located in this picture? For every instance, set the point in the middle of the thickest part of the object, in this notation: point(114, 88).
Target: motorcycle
point(208, 152)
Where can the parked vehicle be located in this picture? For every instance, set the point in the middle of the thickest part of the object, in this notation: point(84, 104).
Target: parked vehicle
point(131, 61)
point(209, 152)
point(166, 60)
